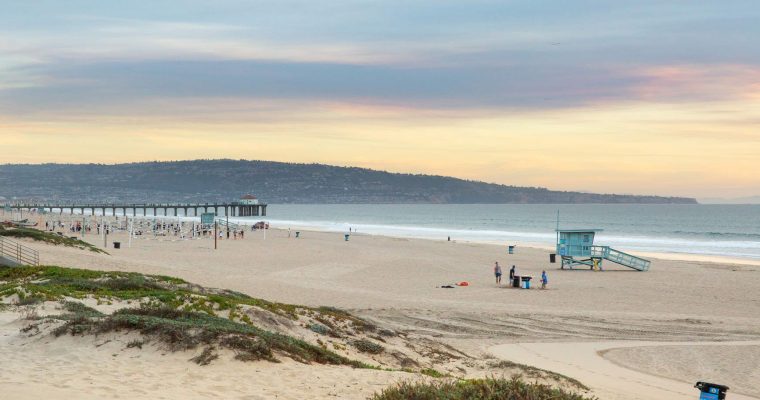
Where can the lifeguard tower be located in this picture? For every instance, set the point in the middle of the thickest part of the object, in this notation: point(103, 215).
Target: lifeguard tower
point(576, 247)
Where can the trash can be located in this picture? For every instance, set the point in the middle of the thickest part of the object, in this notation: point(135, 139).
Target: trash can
point(347, 235)
point(711, 391)
point(516, 282)
point(511, 249)
point(116, 245)
point(552, 258)
point(526, 281)
point(298, 234)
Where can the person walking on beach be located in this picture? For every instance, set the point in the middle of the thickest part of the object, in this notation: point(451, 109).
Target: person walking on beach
point(544, 280)
point(512, 273)
point(497, 272)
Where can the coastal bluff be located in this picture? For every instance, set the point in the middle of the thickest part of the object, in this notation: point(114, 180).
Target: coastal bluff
point(277, 182)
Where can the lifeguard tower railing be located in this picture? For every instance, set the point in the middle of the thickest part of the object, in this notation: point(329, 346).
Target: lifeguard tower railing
point(619, 257)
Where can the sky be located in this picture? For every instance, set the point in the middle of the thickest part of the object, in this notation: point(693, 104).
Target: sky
point(643, 97)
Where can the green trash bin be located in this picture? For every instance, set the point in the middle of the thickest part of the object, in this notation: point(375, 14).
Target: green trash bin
point(511, 249)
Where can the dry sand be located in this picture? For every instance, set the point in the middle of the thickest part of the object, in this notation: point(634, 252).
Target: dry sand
point(103, 368)
point(644, 379)
point(394, 282)
point(733, 365)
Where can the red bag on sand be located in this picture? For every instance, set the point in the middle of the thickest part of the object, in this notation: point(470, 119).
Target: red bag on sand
point(463, 283)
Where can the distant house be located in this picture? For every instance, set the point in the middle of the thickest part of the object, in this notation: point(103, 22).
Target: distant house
point(249, 200)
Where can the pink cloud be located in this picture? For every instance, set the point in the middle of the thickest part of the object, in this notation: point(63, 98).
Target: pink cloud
point(699, 82)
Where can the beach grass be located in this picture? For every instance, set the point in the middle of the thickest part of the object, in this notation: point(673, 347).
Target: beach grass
point(175, 313)
point(185, 330)
point(537, 373)
point(48, 237)
point(476, 389)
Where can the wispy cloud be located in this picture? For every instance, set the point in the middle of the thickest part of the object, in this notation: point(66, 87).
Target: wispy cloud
point(429, 85)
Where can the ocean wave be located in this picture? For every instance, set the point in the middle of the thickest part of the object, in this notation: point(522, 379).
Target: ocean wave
point(720, 234)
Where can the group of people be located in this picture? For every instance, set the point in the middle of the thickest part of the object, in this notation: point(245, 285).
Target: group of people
point(512, 271)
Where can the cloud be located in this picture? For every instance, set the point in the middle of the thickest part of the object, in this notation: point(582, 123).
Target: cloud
point(522, 86)
point(700, 82)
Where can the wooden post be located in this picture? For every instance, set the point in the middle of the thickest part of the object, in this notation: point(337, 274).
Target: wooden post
point(215, 234)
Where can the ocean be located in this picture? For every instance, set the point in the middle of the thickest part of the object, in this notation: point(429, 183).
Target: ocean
point(710, 230)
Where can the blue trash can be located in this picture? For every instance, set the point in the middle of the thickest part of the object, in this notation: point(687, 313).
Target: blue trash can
point(298, 234)
point(711, 391)
point(347, 235)
point(511, 249)
point(526, 281)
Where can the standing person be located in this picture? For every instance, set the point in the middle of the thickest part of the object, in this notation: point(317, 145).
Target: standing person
point(497, 272)
point(511, 274)
point(544, 280)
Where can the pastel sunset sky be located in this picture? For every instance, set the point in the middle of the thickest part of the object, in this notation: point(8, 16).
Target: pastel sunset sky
point(645, 97)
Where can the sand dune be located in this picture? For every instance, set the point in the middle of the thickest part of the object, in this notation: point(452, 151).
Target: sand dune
point(394, 282)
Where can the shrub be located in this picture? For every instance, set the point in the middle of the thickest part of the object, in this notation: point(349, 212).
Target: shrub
point(30, 300)
point(318, 328)
point(365, 346)
point(206, 356)
point(432, 373)
point(476, 389)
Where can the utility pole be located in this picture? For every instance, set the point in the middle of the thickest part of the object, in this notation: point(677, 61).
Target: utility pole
point(216, 224)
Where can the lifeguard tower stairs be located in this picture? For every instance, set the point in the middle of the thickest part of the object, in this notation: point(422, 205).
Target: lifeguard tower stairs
point(576, 248)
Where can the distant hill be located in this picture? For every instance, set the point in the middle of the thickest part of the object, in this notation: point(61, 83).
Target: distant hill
point(734, 200)
point(273, 182)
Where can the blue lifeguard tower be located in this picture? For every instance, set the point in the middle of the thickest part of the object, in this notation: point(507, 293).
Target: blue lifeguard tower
point(576, 247)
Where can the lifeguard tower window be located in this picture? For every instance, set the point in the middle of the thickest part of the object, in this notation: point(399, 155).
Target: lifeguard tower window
point(586, 238)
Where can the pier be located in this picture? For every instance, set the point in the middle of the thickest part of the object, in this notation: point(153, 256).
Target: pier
point(233, 209)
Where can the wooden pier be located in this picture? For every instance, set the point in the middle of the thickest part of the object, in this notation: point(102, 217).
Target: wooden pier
point(232, 209)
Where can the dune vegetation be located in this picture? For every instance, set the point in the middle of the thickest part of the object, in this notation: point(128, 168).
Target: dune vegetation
point(476, 389)
point(173, 312)
point(48, 237)
point(179, 316)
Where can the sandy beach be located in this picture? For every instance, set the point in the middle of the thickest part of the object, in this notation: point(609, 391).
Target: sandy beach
point(396, 284)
